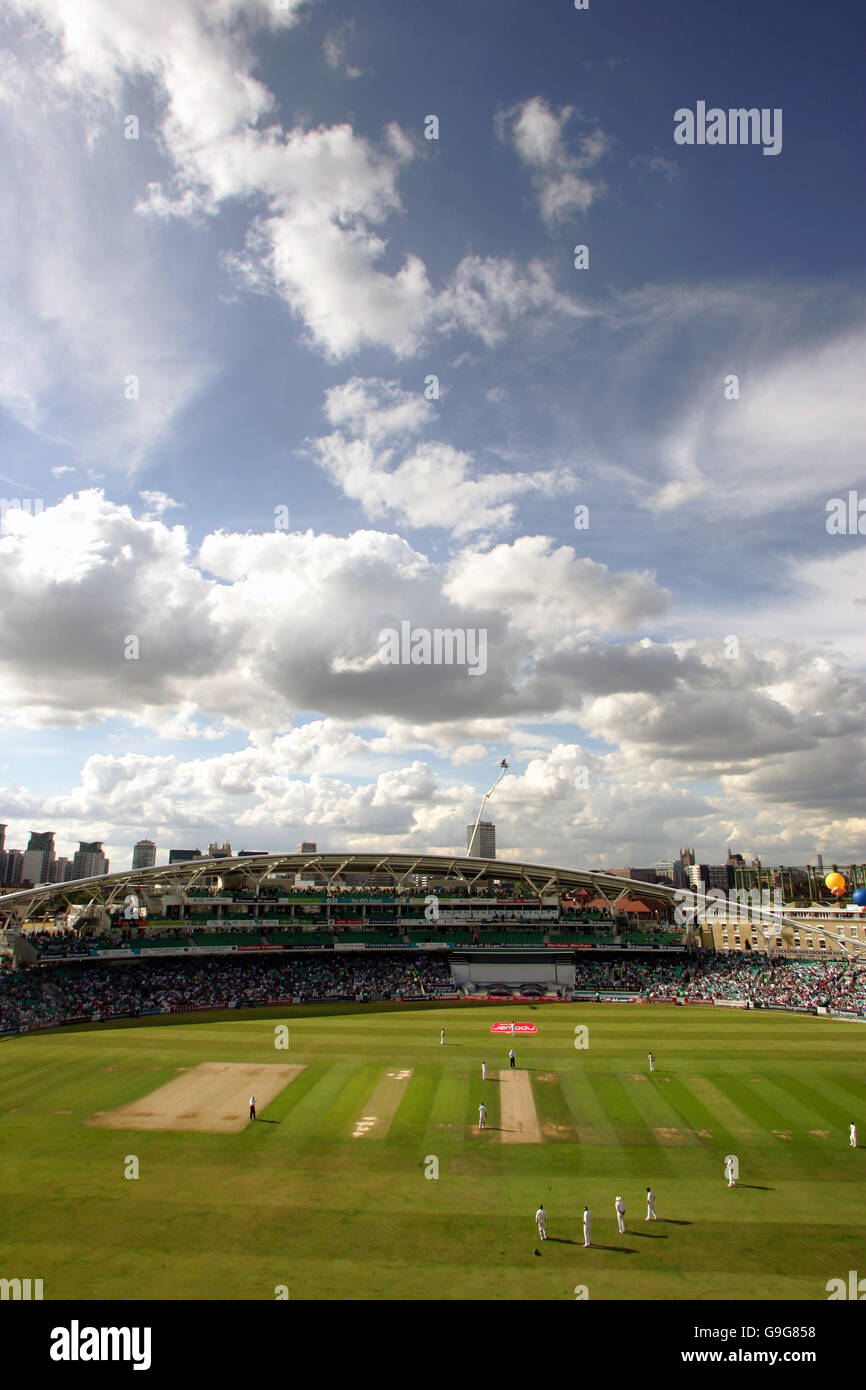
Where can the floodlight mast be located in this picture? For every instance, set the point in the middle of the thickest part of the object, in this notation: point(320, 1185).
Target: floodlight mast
point(503, 769)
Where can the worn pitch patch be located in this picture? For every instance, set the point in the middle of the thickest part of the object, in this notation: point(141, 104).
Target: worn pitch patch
point(558, 1131)
point(382, 1105)
point(213, 1097)
point(673, 1136)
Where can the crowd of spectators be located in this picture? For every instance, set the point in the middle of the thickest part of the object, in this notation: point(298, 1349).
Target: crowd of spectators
point(757, 980)
point(39, 996)
point(46, 994)
point(631, 976)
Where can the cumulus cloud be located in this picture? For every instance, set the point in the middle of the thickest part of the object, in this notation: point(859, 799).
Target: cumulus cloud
point(538, 134)
point(326, 192)
point(551, 592)
point(614, 814)
point(108, 614)
point(112, 613)
point(420, 484)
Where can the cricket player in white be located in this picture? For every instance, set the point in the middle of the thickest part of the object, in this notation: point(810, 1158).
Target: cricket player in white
point(512, 1028)
point(852, 1135)
point(483, 1071)
point(482, 1116)
point(652, 1062)
point(619, 1204)
point(541, 1223)
point(729, 1172)
point(651, 1205)
point(587, 1228)
point(442, 1038)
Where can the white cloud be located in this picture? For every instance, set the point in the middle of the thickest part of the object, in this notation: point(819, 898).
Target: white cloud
point(377, 410)
point(627, 814)
point(551, 592)
point(429, 483)
point(84, 311)
point(538, 134)
point(327, 192)
point(159, 502)
point(336, 48)
point(219, 633)
point(796, 431)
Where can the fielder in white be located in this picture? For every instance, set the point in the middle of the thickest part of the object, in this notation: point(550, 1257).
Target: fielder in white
point(651, 1205)
point(541, 1223)
point(729, 1172)
point(482, 1116)
point(852, 1135)
point(619, 1204)
point(587, 1228)
point(483, 1071)
point(442, 1038)
point(652, 1062)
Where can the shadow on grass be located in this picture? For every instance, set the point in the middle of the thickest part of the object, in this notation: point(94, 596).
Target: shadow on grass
point(672, 1221)
point(647, 1235)
point(755, 1187)
point(616, 1249)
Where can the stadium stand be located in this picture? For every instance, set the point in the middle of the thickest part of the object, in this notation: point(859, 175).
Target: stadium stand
point(49, 993)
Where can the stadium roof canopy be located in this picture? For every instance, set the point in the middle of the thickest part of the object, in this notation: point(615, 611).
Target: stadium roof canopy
point(235, 873)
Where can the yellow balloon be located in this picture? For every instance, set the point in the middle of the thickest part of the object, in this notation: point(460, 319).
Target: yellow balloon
point(835, 881)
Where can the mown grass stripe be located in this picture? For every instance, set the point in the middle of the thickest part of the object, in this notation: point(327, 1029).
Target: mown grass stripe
point(751, 1095)
point(728, 1118)
point(582, 1101)
point(288, 1100)
point(650, 1098)
point(349, 1103)
point(450, 1113)
point(551, 1107)
point(314, 1107)
point(414, 1112)
point(810, 1108)
point(621, 1112)
point(681, 1094)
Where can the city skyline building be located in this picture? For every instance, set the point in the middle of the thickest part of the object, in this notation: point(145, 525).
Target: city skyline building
point(481, 845)
point(89, 860)
point(143, 854)
point(38, 858)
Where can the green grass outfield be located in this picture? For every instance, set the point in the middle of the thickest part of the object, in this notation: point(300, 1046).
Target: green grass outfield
point(299, 1202)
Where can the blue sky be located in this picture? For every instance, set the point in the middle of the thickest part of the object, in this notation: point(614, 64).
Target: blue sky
point(282, 260)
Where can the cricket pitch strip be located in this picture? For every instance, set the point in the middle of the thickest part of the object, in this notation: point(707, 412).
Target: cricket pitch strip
point(518, 1118)
point(213, 1096)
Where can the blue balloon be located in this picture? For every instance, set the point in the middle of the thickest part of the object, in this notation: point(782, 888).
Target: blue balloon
point(859, 897)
